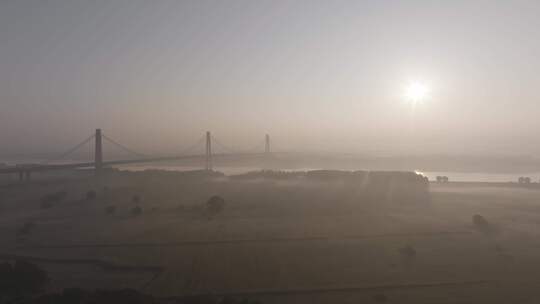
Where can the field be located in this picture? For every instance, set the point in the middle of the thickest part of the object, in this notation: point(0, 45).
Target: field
point(280, 241)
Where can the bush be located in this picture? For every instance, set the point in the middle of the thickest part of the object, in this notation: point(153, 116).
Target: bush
point(524, 180)
point(76, 295)
point(380, 298)
point(137, 210)
point(120, 296)
point(110, 209)
point(408, 255)
point(407, 251)
point(482, 225)
point(91, 195)
point(442, 179)
point(215, 205)
point(26, 228)
point(48, 200)
point(46, 205)
point(21, 278)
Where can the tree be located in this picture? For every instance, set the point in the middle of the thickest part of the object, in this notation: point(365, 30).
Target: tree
point(215, 205)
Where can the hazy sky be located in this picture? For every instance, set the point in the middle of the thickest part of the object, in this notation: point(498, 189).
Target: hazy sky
point(315, 75)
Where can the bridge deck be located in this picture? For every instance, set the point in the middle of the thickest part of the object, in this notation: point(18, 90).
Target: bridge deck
point(50, 167)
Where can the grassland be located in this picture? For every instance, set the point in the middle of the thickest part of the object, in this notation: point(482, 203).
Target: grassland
point(279, 241)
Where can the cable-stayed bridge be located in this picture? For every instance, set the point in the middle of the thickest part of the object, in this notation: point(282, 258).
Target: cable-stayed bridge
point(24, 171)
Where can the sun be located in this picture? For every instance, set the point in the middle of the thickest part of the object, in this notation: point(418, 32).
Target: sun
point(416, 92)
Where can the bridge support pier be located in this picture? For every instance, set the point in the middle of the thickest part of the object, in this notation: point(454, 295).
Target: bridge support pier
point(267, 144)
point(98, 154)
point(24, 175)
point(208, 163)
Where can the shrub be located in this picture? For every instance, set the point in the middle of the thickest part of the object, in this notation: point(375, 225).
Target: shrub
point(48, 200)
point(21, 278)
point(26, 228)
point(110, 209)
point(137, 210)
point(231, 300)
point(215, 205)
point(120, 296)
point(46, 205)
point(408, 255)
point(442, 179)
point(524, 180)
point(407, 251)
point(380, 298)
point(481, 224)
point(91, 195)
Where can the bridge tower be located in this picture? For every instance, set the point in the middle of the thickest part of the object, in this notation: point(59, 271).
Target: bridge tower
point(267, 144)
point(208, 164)
point(98, 154)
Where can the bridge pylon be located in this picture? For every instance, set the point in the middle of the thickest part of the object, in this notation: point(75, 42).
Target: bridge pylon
point(208, 160)
point(267, 144)
point(98, 154)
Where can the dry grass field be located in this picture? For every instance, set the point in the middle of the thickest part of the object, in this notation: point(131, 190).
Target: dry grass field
point(280, 241)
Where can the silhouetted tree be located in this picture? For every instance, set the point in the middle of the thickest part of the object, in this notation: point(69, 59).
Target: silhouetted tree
point(215, 205)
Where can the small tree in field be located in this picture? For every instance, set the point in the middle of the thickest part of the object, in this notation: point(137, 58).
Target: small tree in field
point(215, 205)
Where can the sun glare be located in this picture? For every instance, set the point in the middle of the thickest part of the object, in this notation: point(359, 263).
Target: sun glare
point(416, 92)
